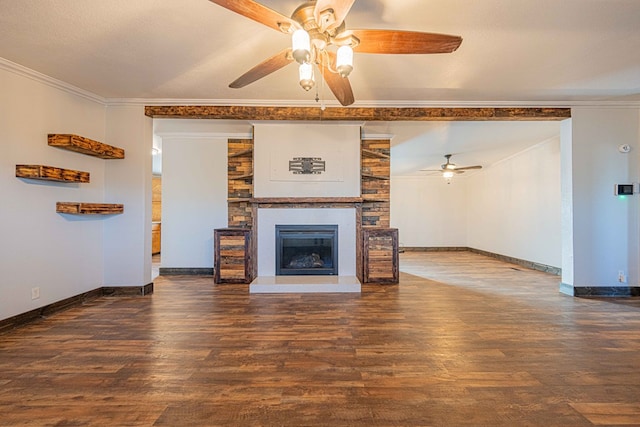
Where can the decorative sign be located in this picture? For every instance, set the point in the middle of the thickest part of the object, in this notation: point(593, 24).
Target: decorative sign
point(306, 165)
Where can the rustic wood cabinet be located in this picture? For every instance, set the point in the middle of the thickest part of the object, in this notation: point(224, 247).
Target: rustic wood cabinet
point(232, 252)
point(380, 255)
point(156, 235)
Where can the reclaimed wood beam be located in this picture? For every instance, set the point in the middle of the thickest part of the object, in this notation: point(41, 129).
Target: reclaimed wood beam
point(51, 173)
point(80, 208)
point(366, 114)
point(83, 145)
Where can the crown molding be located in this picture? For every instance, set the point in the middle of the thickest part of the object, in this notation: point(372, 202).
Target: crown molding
point(23, 71)
point(204, 135)
point(29, 73)
point(373, 104)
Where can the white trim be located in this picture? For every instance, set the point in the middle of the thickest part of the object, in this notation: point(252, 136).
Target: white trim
point(20, 70)
point(532, 147)
point(201, 135)
point(375, 104)
point(375, 136)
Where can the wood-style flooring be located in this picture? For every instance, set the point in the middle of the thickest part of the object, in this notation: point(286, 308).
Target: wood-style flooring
point(463, 340)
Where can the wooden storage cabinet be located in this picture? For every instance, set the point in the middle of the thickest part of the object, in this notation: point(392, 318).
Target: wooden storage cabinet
point(380, 255)
point(232, 250)
point(156, 237)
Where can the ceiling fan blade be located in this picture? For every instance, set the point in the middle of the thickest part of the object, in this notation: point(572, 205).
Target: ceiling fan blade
point(404, 42)
point(263, 69)
point(259, 13)
point(466, 168)
point(330, 14)
point(340, 86)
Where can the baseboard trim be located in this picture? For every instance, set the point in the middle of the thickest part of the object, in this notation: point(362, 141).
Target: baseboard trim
point(521, 262)
point(601, 291)
point(76, 300)
point(169, 271)
point(511, 260)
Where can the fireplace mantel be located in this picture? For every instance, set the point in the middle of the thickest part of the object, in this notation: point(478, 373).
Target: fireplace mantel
point(304, 200)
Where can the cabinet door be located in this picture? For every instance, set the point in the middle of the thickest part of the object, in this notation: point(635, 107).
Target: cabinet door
point(380, 253)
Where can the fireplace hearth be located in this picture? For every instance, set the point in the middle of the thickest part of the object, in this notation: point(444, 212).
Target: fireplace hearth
point(303, 250)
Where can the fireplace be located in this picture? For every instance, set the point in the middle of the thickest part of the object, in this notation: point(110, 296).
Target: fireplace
point(306, 250)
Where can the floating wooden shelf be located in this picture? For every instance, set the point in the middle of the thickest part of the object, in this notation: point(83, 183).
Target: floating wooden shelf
point(79, 208)
point(83, 145)
point(367, 175)
point(374, 154)
point(241, 153)
point(51, 173)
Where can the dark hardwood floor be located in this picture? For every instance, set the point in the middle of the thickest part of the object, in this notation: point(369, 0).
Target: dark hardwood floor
point(463, 340)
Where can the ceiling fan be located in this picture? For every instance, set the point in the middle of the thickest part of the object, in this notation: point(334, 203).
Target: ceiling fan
point(320, 38)
point(449, 169)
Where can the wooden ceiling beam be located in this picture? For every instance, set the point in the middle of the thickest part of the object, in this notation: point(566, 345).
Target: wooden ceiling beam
point(356, 114)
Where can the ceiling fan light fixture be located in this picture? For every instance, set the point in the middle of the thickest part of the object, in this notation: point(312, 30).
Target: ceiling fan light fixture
point(344, 61)
point(306, 76)
point(447, 174)
point(301, 46)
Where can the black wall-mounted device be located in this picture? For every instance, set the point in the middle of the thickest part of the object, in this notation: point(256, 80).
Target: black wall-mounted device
point(623, 189)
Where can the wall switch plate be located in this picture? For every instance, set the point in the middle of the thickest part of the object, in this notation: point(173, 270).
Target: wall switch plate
point(35, 293)
point(621, 277)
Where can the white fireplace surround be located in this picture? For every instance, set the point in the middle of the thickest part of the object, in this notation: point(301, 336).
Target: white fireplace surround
point(345, 218)
point(267, 281)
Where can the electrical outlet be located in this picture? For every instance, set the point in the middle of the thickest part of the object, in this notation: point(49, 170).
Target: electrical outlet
point(621, 277)
point(35, 293)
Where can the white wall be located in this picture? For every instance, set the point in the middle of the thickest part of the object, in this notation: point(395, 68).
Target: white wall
point(337, 144)
point(428, 212)
point(127, 241)
point(60, 254)
point(605, 227)
point(194, 198)
point(514, 206)
point(566, 200)
point(511, 208)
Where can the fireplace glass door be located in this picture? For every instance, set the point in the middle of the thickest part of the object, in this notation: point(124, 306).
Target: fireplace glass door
point(306, 250)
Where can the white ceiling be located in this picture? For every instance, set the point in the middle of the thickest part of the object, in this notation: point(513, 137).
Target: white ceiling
point(514, 52)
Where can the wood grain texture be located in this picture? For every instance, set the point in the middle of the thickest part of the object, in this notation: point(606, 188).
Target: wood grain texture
point(463, 340)
point(375, 185)
point(83, 145)
point(232, 255)
point(51, 173)
point(355, 113)
point(239, 182)
point(380, 255)
point(80, 208)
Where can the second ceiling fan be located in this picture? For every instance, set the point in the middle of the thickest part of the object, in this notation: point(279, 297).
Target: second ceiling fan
point(320, 38)
point(449, 169)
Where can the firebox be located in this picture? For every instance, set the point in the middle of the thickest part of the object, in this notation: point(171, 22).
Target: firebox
point(306, 250)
